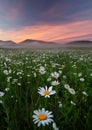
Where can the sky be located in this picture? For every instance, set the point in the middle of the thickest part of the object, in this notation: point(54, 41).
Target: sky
point(48, 20)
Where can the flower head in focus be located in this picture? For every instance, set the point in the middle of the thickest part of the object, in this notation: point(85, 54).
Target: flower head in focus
point(42, 117)
point(46, 92)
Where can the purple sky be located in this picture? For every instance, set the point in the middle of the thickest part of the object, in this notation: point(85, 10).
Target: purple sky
point(50, 20)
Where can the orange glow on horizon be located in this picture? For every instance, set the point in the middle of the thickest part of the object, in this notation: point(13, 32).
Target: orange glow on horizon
point(49, 32)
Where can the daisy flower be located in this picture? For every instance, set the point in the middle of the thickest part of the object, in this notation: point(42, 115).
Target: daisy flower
point(84, 93)
point(47, 92)
point(55, 126)
point(42, 70)
point(1, 94)
point(80, 74)
point(64, 77)
point(82, 79)
point(72, 103)
point(71, 90)
point(55, 75)
point(60, 71)
point(5, 72)
point(54, 83)
point(1, 101)
point(60, 104)
point(42, 117)
point(67, 86)
point(49, 79)
point(34, 74)
point(7, 89)
point(90, 74)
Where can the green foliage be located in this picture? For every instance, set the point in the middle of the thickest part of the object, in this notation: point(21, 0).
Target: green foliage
point(20, 79)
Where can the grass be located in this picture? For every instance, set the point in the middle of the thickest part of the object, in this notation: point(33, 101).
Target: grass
point(20, 79)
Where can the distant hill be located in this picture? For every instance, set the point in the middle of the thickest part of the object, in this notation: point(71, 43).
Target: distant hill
point(7, 44)
point(28, 43)
point(81, 43)
point(37, 44)
point(33, 41)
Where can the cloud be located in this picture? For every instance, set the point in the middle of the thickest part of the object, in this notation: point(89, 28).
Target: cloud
point(62, 12)
point(21, 13)
point(49, 32)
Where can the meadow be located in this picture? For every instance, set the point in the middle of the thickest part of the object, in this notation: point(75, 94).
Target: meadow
point(45, 89)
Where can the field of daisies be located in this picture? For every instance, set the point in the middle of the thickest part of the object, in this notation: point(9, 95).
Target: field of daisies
point(45, 90)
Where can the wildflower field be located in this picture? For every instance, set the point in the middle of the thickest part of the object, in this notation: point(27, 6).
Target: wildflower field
point(45, 89)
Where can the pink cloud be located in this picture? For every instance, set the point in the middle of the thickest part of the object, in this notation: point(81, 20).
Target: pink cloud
point(49, 32)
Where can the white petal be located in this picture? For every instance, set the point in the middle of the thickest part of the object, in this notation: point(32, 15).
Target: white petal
point(39, 124)
point(50, 88)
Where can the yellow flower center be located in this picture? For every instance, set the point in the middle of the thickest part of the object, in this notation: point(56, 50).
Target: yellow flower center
point(47, 92)
point(55, 75)
point(42, 117)
point(66, 86)
point(72, 90)
point(41, 70)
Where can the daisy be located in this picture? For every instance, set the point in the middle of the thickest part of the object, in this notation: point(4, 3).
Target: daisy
point(55, 126)
point(82, 79)
point(60, 71)
point(80, 74)
point(84, 93)
point(1, 101)
point(1, 94)
point(49, 79)
point(42, 117)
point(72, 103)
point(5, 72)
point(42, 70)
point(64, 77)
point(34, 74)
point(8, 79)
point(60, 104)
point(67, 86)
point(90, 74)
point(71, 90)
point(54, 83)
point(55, 75)
point(7, 89)
point(46, 91)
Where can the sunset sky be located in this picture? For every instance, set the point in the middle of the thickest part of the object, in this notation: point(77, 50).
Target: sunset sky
point(48, 20)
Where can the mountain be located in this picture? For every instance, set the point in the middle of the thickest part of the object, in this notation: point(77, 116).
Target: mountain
point(38, 44)
point(33, 41)
point(81, 43)
point(28, 43)
point(7, 44)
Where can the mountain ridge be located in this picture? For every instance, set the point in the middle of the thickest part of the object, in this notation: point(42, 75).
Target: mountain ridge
point(26, 40)
point(31, 43)
point(27, 43)
point(80, 41)
point(32, 40)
